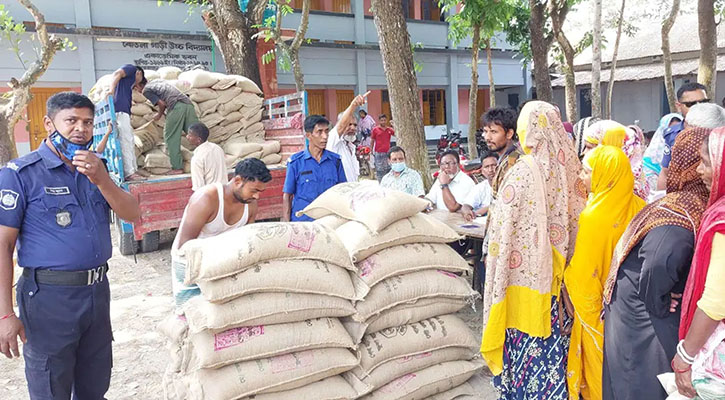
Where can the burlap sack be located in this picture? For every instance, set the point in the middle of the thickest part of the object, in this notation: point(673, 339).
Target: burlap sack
point(427, 382)
point(209, 350)
point(232, 129)
point(141, 109)
point(208, 107)
point(465, 391)
point(151, 74)
point(250, 112)
point(272, 159)
point(246, 84)
point(224, 82)
point(406, 258)
point(137, 97)
point(146, 137)
point(174, 386)
point(332, 388)
point(169, 73)
point(402, 289)
point(362, 243)
point(270, 375)
point(212, 120)
point(186, 154)
point(256, 154)
point(137, 121)
point(231, 161)
point(235, 116)
point(257, 137)
point(199, 78)
point(435, 333)
point(157, 171)
point(295, 276)
point(389, 371)
point(174, 328)
point(234, 251)
point(270, 147)
point(203, 94)
point(183, 86)
point(156, 158)
point(332, 221)
point(403, 314)
point(239, 148)
point(228, 94)
point(262, 309)
point(249, 121)
point(101, 89)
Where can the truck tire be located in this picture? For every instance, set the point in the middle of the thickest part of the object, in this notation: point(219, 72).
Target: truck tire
point(150, 242)
point(127, 244)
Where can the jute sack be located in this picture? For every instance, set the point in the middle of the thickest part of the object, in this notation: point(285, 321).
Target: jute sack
point(231, 161)
point(208, 107)
point(362, 243)
point(151, 74)
point(403, 314)
point(435, 333)
point(141, 109)
point(212, 120)
point(137, 121)
point(239, 249)
point(249, 121)
point(410, 287)
point(254, 128)
point(250, 112)
point(270, 147)
point(209, 350)
point(199, 78)
point(146, 137)
point(137, 97)
point(256, 154)
point(389, 371)
point(246, 84)
point(224, 82)
point(169, 73)
point(332, 388)
point(235, 116)
point(257, 137)
point(399, 260)
point(157, 171)
point(156, 158)
point(270, 375)
point(272, 159)
point(427, 382)
point(295, 276)
point(466, 391)
point(262, 309)
point(331, 221)
point(228, 94)
point(369, 203)
point(183, 86)
point(174, 386)
point(174, 328)
point(202, 94)
point(238, 148)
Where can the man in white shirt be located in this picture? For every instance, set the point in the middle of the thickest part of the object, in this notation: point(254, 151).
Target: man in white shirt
point(207, 164)
point(452, 185)
point(342, 139)
point(477, 202)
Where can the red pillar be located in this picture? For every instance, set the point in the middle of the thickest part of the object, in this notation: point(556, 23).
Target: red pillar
point(267, 72)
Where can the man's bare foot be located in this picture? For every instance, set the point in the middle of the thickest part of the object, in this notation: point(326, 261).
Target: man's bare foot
point(175, 172)
point(135, 177)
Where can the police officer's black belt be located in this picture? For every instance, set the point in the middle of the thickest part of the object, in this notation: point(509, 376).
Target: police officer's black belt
point(67, 278)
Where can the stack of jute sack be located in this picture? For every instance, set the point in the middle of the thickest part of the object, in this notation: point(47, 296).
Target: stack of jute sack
point(411, 345)
point(267, 321)
point(229, 105)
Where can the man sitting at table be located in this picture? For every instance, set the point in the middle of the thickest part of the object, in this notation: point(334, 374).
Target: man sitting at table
point(452, 185)
point(401, 177)
point(477, 202)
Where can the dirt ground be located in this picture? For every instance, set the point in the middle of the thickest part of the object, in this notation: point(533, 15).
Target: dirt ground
point(141, 298)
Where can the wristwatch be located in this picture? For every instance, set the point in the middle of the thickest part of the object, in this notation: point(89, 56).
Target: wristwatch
point(444, 185)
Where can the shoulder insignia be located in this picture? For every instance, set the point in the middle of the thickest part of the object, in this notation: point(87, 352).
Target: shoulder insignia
point(8, 199)
point(12, 166)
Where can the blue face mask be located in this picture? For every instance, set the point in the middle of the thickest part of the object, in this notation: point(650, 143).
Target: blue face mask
point(398, 167)
point(65, 146)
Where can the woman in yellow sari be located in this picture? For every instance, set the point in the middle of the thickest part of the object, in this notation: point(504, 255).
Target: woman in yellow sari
point(611, 206)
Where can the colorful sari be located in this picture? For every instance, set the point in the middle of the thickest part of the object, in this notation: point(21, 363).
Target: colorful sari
point(611, 207)
point(533, 228)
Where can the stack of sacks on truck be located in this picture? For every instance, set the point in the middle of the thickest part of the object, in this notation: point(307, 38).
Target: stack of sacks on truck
point(230, 105)
point(267, 322)
point(411, 345)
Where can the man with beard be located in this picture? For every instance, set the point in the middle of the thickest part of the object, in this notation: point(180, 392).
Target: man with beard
point(499, 130)
point(341, 139)
point(215, 209)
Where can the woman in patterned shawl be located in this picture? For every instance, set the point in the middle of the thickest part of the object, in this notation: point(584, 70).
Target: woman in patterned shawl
point(640, 330)
point(533, 228)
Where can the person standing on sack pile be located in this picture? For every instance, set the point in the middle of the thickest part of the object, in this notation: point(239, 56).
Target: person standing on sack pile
point(124, 80)
point(401, 177)
point(214, 209)
point(310, 172)
point(380, 144)
point(54, 205)
point(342, 138)
point(180, 115)
point(207, 164)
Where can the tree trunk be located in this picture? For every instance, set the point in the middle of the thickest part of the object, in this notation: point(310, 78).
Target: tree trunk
point(613, 67)
point(12, 108)
point(491, 82)
point(473, 93)
point(540, 45)
point(233, 33)
point(402, 84)
point(667, 55)
point(596, 95)
point(558, 12)
point(297, 69)
point(707, 72)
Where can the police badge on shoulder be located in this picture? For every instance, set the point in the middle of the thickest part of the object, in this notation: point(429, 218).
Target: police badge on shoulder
point(62, 218)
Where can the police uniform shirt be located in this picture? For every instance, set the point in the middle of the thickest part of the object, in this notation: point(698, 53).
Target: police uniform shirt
point(62, 218)
point(306, 178)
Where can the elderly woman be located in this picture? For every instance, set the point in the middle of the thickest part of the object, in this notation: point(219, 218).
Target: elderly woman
point(640, 329)
point(699, 364)
point(532, 233)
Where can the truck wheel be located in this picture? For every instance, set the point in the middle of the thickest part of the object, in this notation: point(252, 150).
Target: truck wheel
point(150, 242)
point(127, 244)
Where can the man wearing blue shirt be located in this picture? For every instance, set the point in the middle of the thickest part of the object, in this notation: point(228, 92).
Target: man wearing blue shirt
point(312, 171)
point(688, 95)
point(124, 80)
point(54, 204)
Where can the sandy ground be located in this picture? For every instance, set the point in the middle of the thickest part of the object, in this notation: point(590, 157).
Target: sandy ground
point(141, 294)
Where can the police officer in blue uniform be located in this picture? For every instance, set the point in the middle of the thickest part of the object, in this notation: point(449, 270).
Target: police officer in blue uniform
point(54, 203)
point(312, 171)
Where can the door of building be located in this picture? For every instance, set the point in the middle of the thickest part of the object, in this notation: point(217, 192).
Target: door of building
point(36, 112)
point(344, 98)
point(316, 102)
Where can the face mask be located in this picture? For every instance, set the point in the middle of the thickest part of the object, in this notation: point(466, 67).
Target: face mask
point(349, 138)
point(398, 166)
point(66, 147)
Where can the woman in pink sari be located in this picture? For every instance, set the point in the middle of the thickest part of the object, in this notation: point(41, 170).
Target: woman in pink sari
point(699, 365)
